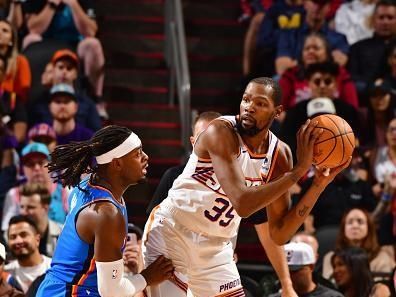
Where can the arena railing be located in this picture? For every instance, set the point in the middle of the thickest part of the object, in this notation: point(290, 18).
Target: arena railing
point(176, 59)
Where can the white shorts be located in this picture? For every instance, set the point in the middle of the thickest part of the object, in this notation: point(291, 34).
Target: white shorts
point(204, 266)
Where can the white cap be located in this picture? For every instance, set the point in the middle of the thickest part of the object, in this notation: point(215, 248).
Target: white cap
point(2, 252)
point(299, 254)
point(320, 106)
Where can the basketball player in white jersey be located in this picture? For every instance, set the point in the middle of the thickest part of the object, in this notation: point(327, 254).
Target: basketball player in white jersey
point(237, 167)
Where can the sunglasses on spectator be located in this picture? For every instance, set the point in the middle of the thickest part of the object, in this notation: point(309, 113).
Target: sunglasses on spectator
point(327, 81)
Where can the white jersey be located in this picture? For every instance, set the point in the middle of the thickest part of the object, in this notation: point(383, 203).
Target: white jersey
point(196, 199)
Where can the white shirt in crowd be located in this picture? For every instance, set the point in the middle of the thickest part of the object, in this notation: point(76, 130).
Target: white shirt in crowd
point(26, 275)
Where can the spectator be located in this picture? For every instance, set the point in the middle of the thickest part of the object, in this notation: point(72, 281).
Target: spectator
point(352, 274)
point(284, 14)
point(390, 74)
point(23, 239)
point(363, 65)
point(72, 21)
point(381, 110)
point(323, 85)
point(35, 157)
point(385, 177)
point(18, 77)
point(64, 69)
point(291, 42)
point(12, 109)
point(353, 19)
point(9, 286)
point(35, 201)
point(43, 133)
point(63, 107)
point(294, 84)
point(357, 229)
point(301, 261)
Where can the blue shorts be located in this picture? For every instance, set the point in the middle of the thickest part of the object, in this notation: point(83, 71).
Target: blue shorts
point(56, 288)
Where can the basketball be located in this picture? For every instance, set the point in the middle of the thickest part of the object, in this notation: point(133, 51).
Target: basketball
point(336, 144)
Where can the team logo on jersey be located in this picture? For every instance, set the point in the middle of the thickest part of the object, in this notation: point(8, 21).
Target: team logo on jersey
point(289, 255)
point(265, 166)
point(114, 274)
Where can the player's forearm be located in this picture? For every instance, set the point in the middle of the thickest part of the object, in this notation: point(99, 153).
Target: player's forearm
point(275, 254)
point(284, 228)
point(84, 24)
point(255, 198)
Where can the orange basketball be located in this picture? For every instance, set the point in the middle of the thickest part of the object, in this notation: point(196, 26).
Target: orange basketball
point(336, 144)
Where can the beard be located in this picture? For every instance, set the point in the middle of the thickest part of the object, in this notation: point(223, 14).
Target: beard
point(251, 131)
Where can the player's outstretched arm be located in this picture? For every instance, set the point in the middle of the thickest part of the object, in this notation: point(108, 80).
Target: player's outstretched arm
point(104, 225)
point(283, 221)
point(220, 144)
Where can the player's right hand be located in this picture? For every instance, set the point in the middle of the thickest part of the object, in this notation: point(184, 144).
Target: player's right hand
point(306, 137)
point(158, 271)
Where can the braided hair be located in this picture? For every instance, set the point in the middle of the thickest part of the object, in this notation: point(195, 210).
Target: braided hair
point(70, 161)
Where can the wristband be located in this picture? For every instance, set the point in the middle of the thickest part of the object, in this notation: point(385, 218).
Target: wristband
point(386, 197)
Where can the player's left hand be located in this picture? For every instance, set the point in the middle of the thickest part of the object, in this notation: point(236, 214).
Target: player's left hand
point(324, 176)
point(288, 292)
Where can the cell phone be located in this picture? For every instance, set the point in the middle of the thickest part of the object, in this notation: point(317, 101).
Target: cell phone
point(132, 238)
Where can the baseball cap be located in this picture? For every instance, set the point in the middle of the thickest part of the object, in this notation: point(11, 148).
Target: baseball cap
point(63, 89)
point(34, 149)
point(65, 54)
point(380, 85)
point(2, 251)
point(320, 106)
point(41, 130)
point(298, 255)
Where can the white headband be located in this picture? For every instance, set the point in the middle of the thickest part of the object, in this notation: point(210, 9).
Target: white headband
point(129, 144)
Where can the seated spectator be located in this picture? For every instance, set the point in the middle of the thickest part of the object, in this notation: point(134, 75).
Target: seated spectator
point(322, 82)
point(18, 77)
point(8, 162)
point(353, 276)
point(12, 109)
point(381, 110)
point(72, 22)
point(357, 229)
point(363, 65)
point(35, 201)
point(301, 261)
point(23, 240)
point(63, 107)
point(353, 19)
point(384, 170)
point(43, 133)
point(34, 159)
point(294, 84)
point(9, 286)
point(64, 69)
point(291, 42)
point(285, 14)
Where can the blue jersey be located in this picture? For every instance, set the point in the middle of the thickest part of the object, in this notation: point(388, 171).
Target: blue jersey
point(73, 269)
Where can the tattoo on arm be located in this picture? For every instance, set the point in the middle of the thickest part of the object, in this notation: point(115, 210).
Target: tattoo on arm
point(301, 212)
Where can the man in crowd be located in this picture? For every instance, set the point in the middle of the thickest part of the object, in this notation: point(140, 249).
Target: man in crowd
point(24, 240)
point(301, 259)
point(35, 201)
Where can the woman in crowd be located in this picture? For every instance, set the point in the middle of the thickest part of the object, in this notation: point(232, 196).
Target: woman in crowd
point(294, 85)
point(352, 274)
point(18, 76)
point(357, 229)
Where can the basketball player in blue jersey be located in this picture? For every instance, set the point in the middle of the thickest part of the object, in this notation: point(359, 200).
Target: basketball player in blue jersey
point(237, 167)
point(88, 256)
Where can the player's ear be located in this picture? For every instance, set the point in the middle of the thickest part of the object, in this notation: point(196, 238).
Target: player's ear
point(278, 110)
